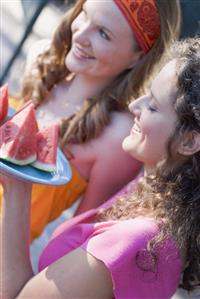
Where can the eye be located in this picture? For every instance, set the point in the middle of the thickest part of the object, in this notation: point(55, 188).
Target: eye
point(83, 13)
point(103, 34)
point(152, 109)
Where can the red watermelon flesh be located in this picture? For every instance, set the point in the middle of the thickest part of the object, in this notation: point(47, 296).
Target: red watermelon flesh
point(3, 102)
point(18, 137)
point(47, 142)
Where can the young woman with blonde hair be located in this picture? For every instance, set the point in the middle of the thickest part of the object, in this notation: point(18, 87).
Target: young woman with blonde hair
point(84, 80)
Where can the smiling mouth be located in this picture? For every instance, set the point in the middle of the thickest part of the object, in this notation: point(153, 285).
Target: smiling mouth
point(80, 54)
point(135, 128)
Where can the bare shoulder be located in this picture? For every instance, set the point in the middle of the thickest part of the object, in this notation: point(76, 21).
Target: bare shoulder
point(110, 139)
point(115, 132)
point(122, 122)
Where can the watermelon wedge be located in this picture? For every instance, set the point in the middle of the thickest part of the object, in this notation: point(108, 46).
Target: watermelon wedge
point(3, 102)
point(47, 142)
point(18, 137)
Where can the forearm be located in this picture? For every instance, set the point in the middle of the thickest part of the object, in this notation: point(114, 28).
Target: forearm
point(15, 229)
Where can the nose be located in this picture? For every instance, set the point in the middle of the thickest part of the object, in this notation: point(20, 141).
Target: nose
point(82, 34)
point(136, 106)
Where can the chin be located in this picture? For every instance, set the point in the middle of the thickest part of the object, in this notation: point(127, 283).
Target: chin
point(70, 64)
point(127, 145)
point(75, 68)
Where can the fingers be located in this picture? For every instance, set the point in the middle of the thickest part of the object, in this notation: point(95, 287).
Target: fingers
point(3, 178)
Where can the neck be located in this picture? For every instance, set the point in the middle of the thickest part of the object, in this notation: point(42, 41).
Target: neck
point(149, 170)
point(86, 87)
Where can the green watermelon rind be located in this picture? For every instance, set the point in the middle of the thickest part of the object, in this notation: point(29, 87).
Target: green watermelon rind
point(44, 166)
point(23, 162)
point(48, 137)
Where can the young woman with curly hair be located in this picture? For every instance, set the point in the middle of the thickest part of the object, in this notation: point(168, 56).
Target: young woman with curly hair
point(143, 240)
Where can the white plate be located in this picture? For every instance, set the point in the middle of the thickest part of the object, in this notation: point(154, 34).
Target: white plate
point(61, 176)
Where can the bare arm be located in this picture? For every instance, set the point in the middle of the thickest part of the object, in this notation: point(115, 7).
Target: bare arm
point(15, 263)
point(76, 275)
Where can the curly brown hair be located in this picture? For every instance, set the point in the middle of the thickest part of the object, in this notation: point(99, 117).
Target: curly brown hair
point(94, 116)
point(173, 193)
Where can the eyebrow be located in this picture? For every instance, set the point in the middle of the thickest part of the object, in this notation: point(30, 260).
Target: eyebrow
point(84, 8)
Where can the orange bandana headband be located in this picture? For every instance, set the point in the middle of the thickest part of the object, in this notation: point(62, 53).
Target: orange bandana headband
point(143, 18)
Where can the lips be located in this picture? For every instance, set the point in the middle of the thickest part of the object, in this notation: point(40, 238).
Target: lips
point(81, 54)
point(135, 128)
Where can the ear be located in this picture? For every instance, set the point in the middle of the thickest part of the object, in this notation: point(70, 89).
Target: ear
point(190, 144)
point(136, 57)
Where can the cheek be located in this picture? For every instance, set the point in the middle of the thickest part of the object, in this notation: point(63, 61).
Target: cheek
point(77, 23)
point(154, 135)
point(147, 124)
point(110, 61)
point(156, 139)
point(103, 52)
point(153, 125)
point(74, 26)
